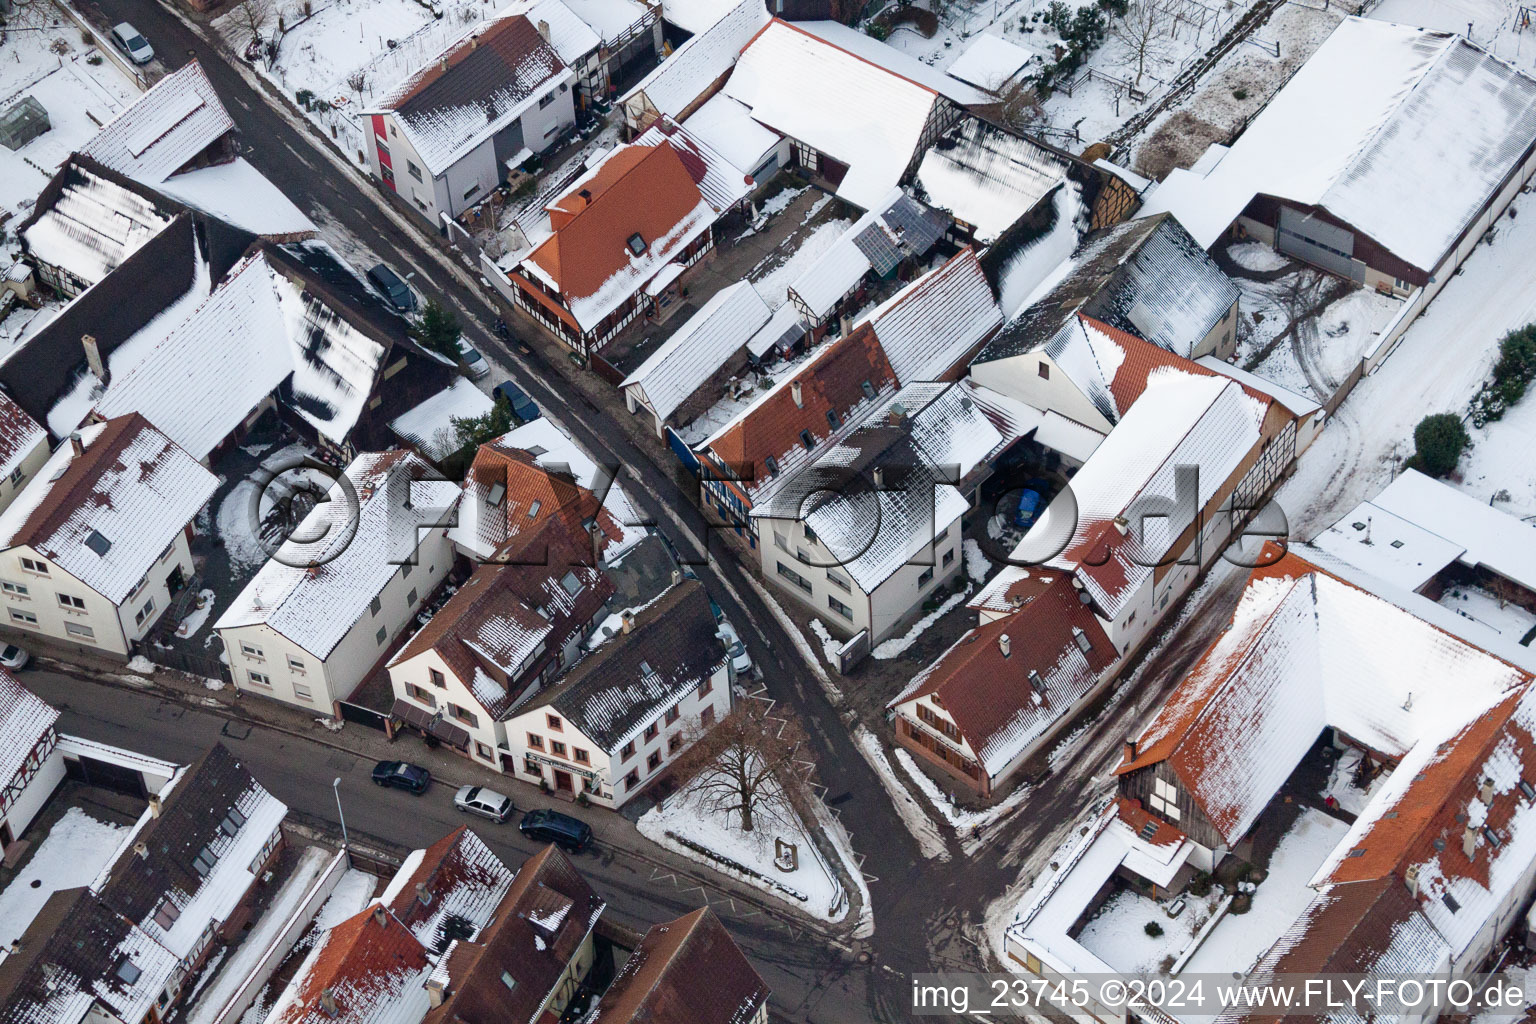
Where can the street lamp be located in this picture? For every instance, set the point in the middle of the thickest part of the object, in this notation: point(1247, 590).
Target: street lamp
point(336, 788)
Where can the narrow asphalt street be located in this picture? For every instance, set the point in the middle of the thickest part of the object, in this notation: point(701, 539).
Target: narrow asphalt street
point(928, 914)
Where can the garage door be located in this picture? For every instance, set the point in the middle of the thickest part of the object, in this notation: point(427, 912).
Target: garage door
point(1319, 243)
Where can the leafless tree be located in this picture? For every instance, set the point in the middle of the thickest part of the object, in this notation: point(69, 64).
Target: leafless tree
point(34, 15)
point(1146, 33)
point(746, 759)
point(254, 15)
point(357, 81)
point(1019, 106)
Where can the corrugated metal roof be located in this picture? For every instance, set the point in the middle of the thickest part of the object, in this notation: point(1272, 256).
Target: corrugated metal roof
point(700, 347)
point(929, 327)
point(986, 177)
point(682, 78)
point(169, 125)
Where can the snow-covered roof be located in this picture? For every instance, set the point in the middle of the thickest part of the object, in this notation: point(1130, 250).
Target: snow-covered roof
point(483, 81)
point(721, 182)
point(572, 38)
point(727, 125)
point(695, 16)
point(1300, 406)
point(105, 515)
point(923, 434)
point(1307, 649)
point(1433, 125)
point(989, 63)
point(684, 970)
point(178, 118)
point(20, 435)
point(239, 194)
point(884, 55)
point(986, 177)
point(786, 75)
point(93, 225)
point(429, 426)
point(610, 19)
point(1182, 419)
point(930, 326)
point(682, 78)
point(462, 878)
point(258, 333)
point(25, 718)
point(1388, 546)
point(894, 228)
point(699, 348)
point(364, 529)
point(369, 969)
point(836, 272)
point(1491, 539)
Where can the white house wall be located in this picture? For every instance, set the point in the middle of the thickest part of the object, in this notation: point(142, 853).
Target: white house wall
point(38, 789)
point(11, 486)
point(1019, 377)
point(417, 672)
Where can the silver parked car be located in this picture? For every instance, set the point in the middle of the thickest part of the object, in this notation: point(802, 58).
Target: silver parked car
point(485, 802)
point(14, 658)
point(128, 39)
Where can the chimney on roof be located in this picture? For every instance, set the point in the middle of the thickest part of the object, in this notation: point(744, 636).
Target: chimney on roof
point(444, 62)
point(76, 444)
point(15, 946)
point(677, 576)
point(1123, 525)
point(93, 358)
point(794, 392)
point(543, 30)
point(142, 849)
point(328, 1003)
point(1469, 840)
point(1130, 749)
point(844, 325)
point(423, 896)
point(1411, 877)
point(474, 41)
point(626, 621)
point(898, 414)
point(1485, 791)
point(586, 196)
point(879, 476)
point(154, 805)
point(437, 989)
point(1004, 644)
point(380, 917)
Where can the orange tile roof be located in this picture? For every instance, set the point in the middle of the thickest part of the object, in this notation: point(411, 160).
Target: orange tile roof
point(367, 962)
point(687, 970)
point(539, 507)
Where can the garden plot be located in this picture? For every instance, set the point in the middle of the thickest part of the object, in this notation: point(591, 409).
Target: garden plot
point(74, 851)
point(1133, 933)
point(54, 68)
point(1509, 620)
point(345, 55)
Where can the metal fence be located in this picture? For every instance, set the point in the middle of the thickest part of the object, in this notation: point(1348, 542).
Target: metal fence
point(359, 715)
point(191, 662)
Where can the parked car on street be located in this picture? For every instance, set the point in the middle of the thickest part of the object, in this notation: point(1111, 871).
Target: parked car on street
point(14, 658)
point(134, 46)
point(485, 802)
point(741, 661)
point(522, 406)
point(412, 778)
point(394, 288)
point(474, 362)
point(570, 834)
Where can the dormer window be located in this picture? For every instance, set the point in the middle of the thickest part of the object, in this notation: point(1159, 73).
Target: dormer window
point(807, 440)
point(166, 914)
point(636, 244)
point(495, 495)
point(772, 464)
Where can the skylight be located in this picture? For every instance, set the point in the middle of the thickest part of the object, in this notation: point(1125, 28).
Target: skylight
point(97, 543)
point(636, 244)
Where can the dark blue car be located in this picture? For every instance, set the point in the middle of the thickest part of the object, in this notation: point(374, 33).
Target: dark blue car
point(570, 834)
point(412, 778)
point(523, 407)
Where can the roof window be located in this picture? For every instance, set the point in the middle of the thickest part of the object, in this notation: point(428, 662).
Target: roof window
point(1528, 790)
point(1083, 643)
point(533, 509)
point(570, 584)
point(807, 440)
point(1492, 836)
point(772, 464)
point(869, 389)
point(636, 244)
point(1450, 903)
point(832, 419)
point(232, 822)
point(495, 495)
point(1148, 830)
point(128, 971)
point(97, 543)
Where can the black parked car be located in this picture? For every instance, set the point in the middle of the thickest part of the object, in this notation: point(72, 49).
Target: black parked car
point(523, 407)
point(566, 832)
point(397, 291)
point(402, 775)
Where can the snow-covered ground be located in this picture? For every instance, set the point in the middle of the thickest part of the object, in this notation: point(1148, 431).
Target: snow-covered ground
point(1510, 620)
point(73, 854)
point(233, 519)
point(381, 40)
point(1118, 934)
point(1238, 940)
point(1341, 783)
point(691, 813)
point(51, 67)
point(1492, 24)
point(198, 615)
point(971, 826)
point(234, 971)
point(1438, 365)
point(830, 644)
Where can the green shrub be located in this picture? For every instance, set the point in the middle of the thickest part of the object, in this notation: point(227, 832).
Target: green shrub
point(1200, 884)
point(1512, 373)
point(1153, 929)
point(1438, 442)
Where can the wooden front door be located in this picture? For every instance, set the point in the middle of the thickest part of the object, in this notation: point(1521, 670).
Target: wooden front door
point(563, 781)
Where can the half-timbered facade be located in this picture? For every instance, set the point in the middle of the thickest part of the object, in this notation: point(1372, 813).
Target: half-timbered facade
point(30, 763)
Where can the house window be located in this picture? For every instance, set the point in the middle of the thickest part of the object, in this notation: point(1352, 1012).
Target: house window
point(581, 756)
point(383, 150)
point(257, 679)
point(464, 716)
point(410, 599)
point(672, 714)
point(557, 748)
point(837, 581)
point(419, 695)
point(436, 678)
point(949, 558)
point(1045, 371)
point(780, 541)
point(302, 692)
point(794, 577)
point(14, 589)
point(652, 731)
point(546, 100)
point(33, 565)
point(413, 170)
point(485, 752)
point(628, 751)
point(631, 780)
point(167, 552)
point(654, 761)
point(16, 475)
point(25, 618)
point(296, 665)
point(926, 577)
point(536, 741)
point(838, 606)
point(707, 717)
point(705, 688)
point(71, 601)
point(380, 636)
point(251, 651)
point(144, 613)
point(82, 632)
point(472, 190)
point(1165, 799)
point(374, 605)
point(553, 721)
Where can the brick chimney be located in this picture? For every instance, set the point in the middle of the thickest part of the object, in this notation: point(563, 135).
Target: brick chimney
point(1469, 840)
point(1485, 791)
point(1130, 748)
point(626, 621)
point(93, 357)
point(1411, 878)
point(794, 391)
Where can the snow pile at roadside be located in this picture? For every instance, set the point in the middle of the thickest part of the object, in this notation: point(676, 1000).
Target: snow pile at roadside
point(73, 854)
point(830, 644)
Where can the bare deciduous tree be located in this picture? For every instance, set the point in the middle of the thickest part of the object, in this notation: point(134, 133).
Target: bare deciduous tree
point(357, 81)
point(1146, 32)
point(254, 15)
point(1019, 106)
point(747, 758)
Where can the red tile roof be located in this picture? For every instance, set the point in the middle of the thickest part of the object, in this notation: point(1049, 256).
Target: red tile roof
point(538, 508)
point(688, 970)
point(367, 963)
